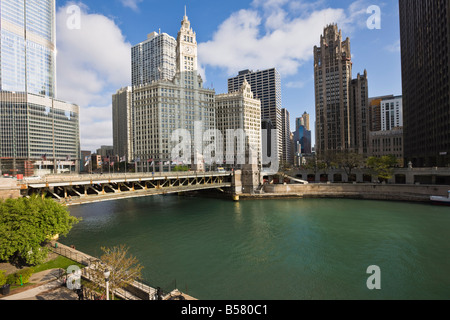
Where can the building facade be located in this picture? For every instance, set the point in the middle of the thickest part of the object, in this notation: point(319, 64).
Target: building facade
point(38, 133)
point(332, 76)
point(123, 123)
point(239, 111)
point(286, 136)
point(162, 107)
point(375, 112)
point(266, 86)
point(153, 59)
point(359, 111)
point(391, 113)
point(28, 49)
point(302, 140)
point(341, 102)
point(303, 121)
point(385, 143)
point(425, 56)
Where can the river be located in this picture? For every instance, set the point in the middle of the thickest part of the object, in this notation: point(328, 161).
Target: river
point(276, 249)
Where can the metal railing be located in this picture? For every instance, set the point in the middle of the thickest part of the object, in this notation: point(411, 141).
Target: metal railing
point(138, 290)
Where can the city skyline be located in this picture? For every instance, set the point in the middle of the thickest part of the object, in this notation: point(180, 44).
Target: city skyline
point(89, 74)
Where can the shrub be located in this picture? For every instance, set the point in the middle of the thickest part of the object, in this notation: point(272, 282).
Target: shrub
point(2, 278)
point(14, 279)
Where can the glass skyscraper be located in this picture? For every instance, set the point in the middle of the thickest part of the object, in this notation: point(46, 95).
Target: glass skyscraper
point(38, 134)
point(28, 51)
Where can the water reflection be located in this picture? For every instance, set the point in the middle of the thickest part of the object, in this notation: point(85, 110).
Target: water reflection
point(280, 249)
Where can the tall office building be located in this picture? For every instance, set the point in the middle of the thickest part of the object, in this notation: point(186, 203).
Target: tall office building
point(239, 111)
point(303, 121)
point(28, 50)
point(386, 127)
point(391, 113)
point(302, 138)
point(359, 111)
point(38, 134)
point(341, 101)
point(375, 112)
point(161, 107)
point(286, 136)
point(153, 59)
point(332, 74)
point(425, 55)
point(266, 86)
point(123, 123)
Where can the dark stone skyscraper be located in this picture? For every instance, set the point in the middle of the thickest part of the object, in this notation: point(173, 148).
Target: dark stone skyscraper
point(341, 102)
point(425, 44)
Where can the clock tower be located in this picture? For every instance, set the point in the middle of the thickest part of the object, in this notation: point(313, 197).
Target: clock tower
point(186, 47)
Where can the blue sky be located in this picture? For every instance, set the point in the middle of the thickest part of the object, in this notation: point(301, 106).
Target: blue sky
point(94, 57)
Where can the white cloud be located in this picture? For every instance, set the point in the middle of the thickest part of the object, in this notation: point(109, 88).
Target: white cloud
point(296, 84)
point(269, 35)
point(395, 47)
point(92, 63)
point(132, 4)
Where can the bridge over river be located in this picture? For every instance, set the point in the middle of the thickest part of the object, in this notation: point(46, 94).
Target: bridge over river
point(79, 189)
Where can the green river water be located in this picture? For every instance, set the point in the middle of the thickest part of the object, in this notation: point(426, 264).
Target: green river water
point(276, 249)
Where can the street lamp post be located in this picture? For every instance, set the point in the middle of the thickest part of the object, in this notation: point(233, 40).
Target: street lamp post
point(107, 273)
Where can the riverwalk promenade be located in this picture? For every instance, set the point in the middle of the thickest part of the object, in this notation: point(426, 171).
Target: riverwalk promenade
point(49, 284)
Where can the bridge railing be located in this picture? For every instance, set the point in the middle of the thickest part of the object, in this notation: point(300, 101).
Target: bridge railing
point(120, 176)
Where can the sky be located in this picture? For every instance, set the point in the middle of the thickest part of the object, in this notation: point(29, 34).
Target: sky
point(94, 40)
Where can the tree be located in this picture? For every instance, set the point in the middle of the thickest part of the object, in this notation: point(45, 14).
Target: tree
point(349, 161)
point(27, 224)
point(382, 167)
point(180, 168)
point(123, 268)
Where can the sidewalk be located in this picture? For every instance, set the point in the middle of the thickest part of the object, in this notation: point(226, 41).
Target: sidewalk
point(48, 288)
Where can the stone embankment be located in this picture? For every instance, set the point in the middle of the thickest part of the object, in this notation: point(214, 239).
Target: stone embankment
point(9, 188)
point(413, 193)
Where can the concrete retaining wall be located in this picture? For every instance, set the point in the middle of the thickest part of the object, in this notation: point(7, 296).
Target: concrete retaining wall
point(8, 189)
point(361, 191)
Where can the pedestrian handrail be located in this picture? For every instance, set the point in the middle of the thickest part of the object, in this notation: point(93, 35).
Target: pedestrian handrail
point(135, 291)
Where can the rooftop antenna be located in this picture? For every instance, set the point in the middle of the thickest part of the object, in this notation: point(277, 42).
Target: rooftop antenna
point(185, 12)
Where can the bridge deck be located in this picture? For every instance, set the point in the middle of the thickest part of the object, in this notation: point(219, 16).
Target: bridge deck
point(70, 180)
point(81, 189)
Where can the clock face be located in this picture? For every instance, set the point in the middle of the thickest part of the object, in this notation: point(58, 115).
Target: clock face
point(188, 50)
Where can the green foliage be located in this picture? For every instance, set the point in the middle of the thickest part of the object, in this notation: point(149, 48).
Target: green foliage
point(2, 278)
point(15, 278)
point(181, 169)
point(59, 262)
point(349, 161)
point(37, 255)
point(382, 167)
point(27, 223)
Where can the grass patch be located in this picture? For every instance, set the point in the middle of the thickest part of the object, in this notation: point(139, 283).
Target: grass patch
point(59, 263)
